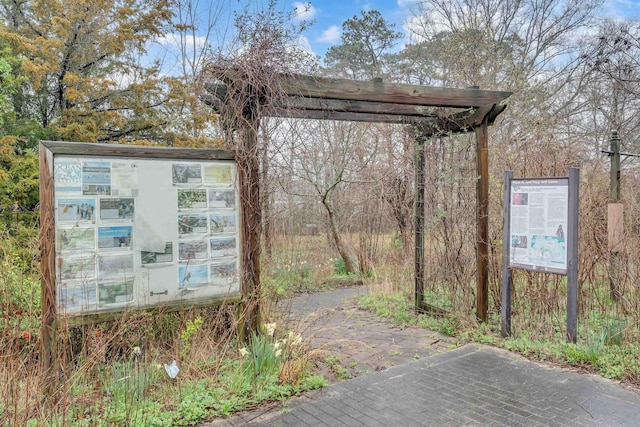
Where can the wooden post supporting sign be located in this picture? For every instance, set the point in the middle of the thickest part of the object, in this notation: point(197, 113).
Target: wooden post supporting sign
point(48, 328)
point(482, 217)
point(572, 255)
point(507, 278)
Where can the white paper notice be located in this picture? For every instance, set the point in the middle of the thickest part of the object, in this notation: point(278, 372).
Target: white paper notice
point(539, 212)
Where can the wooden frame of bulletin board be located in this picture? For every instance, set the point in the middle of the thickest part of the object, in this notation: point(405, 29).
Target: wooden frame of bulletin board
point(133, 228)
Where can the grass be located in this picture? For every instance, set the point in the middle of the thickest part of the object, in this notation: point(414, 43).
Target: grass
point(304, 269)
point(602, 350)
point(113, 374)
point(106, 381)
point(136, 390)
point(335, 365)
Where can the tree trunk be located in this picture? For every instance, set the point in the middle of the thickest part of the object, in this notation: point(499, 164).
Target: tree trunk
point(266, 199)
point(249, 180)
point(348, 263)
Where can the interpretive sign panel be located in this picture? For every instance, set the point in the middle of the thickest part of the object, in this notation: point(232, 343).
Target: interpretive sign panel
point(140, 227)
point(538, 218)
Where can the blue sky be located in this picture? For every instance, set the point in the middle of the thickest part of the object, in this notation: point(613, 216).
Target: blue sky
point(327, 15)
point(330, 14)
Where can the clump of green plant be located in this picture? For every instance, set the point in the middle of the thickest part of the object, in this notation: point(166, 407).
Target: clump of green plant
point(269, 357)
point(340, 267)
point(127, 392)
point(395, 306)
point(263, 354)
point(287, 278)
point(137, 390)
point(337, 367)
point(192, 328)
point(19, 292)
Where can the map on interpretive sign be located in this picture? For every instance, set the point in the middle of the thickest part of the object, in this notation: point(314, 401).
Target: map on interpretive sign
point(143, 232)
point(538, 224)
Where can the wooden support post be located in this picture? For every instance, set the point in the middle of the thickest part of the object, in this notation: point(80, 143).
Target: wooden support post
point(572, 255)
point(482, 218)
point(507, 280)
point(419, 222)
point(249, 182)
point(615, 167)
point(48, 328)
point(614, 252)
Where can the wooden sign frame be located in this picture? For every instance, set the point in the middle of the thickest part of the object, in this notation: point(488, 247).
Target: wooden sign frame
point(571, 271)
point(67, 212)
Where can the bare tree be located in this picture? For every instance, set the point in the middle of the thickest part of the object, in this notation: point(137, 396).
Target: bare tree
point(613, 82)
point(327, 157)
point(244, 82)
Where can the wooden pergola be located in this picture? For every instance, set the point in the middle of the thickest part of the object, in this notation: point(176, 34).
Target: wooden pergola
point(432, 111)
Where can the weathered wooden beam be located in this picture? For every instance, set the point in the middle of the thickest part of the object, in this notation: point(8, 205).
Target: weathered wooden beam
point(339, 115)
point(218, 93)
point(429, 126)
point(284, 109)
point(251, 223)
point(143, 151)
point(386, 108)
point(390, 92)
point(373, 91)
point(419, 220)
point(330, 109)
point(363, 111)
point(465, 121)
point(94, 318)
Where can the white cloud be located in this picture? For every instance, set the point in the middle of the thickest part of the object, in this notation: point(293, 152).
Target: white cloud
point(175, 51)
point(303, 43)
point(174, 40)
point(330, 35)
point(306, 60)
point(303, 10)
point(405, 3)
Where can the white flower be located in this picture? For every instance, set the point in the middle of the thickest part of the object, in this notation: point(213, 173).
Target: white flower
point(294, 339)
point(137, 351)
point(276, 345)
point(244, 351)
point(271, 328)
point(278, 353)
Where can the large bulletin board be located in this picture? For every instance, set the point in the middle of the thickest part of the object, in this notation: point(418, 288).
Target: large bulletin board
point(139, 227)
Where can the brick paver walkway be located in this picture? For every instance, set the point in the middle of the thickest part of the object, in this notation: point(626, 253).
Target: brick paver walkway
point(413, 377)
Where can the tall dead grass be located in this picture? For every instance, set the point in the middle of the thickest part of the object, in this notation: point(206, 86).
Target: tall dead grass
point(110, 373)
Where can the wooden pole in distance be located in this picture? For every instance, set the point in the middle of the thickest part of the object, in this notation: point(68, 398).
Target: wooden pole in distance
point(482, 218)
point(614, 254)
